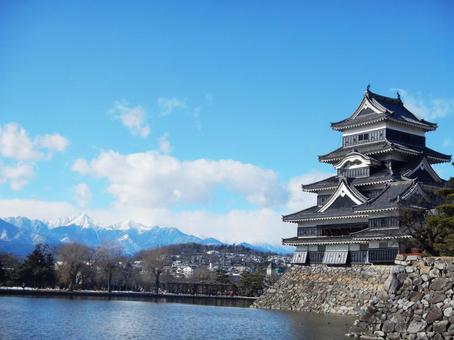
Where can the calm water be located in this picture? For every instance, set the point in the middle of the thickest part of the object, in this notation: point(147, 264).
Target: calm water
point(62, 318)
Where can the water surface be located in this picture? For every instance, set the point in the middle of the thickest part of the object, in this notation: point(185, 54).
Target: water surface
point(81, 318)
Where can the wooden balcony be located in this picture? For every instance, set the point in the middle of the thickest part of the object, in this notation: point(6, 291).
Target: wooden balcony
point(358, 257)
point(382, 255)
point(315, 257)
point(378, 255)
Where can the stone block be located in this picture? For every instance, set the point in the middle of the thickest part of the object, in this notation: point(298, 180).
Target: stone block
point(440, 326)
point(388, 326)
point(441, 284)
point(435, 313)
point(416, 326)
point(448, 312)
point(437, 297)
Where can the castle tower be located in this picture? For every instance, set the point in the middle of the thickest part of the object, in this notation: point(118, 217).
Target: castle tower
point(382, 166)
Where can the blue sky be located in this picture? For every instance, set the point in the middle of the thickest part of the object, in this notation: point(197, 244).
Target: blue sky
point(219, 109)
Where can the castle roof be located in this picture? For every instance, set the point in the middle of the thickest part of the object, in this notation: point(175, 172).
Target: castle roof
point(375, 108)
point(381, 176)
point(385, 146)
point(391, 197)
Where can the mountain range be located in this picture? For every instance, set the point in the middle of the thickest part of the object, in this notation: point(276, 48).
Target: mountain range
point(18, 235)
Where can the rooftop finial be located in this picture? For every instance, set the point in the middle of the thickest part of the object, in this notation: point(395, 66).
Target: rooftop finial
point(398, 95)
point(368, 88)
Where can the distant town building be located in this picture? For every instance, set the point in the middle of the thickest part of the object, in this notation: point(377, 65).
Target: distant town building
point(382, 167)
point(269, 269)
point(188, 271)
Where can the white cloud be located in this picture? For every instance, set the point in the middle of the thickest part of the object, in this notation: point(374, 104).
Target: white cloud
point(299, 199)
point(54, 142)
point(15, 143)
point(82, 194)
point(17, 175)
point(427, 107)
point(23, 151)
point(151, 179)
point(132, 117)
point(164, 144)
point(261, 224)
point(168, 105)
point(81, 166)
point(35, 209)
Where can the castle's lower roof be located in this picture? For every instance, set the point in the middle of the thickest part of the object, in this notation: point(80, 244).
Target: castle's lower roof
point(385, 147)
point(363, 236)
point(390, 198)
point(332, 182)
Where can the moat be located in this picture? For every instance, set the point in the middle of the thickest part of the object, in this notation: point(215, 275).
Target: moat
point(82, 318)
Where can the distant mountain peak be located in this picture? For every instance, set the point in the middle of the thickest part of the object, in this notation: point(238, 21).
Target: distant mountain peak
point(82, 220)
point(129, 224)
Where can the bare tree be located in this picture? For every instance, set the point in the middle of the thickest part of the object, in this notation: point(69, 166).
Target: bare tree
point(107, 259)
point(73, 258)
point(203, 275)
point(154, 261)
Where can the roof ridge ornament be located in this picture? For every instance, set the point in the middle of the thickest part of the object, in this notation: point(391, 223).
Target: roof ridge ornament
point(398, 96)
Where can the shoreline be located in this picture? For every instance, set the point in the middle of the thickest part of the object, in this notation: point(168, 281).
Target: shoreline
point(234, 301)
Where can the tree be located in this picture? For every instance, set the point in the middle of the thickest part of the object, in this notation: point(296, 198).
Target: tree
point(107, 259)
point(74, 258)
point(2, 273)
point(154, 261)
point(433, 230)
point(9, 265)
point(202, 274)
point(251, 284)
point(38, 268)
point(222, 277)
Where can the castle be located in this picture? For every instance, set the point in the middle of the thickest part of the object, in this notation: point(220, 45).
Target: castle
point(382, 167)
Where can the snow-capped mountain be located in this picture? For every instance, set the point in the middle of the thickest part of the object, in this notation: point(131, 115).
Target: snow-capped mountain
point(266, 247)
point(81, 220)
point(18, 235)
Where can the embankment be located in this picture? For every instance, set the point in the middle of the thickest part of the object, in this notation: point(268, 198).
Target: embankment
point(323, 289)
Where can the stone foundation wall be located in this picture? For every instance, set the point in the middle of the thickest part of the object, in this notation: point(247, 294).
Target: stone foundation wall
point(323, 289)
point(418, 302)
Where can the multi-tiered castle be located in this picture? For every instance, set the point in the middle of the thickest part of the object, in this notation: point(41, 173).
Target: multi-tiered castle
point(382, 166)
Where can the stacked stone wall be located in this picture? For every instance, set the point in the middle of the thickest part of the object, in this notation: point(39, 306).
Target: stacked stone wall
point(323, 289)
point(418, 302)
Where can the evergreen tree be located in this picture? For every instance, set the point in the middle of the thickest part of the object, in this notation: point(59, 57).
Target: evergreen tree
point(2, 273)
point(38, 268)
point(251, 284)
point(222, 277)
point(442, 221)
point(433, 230)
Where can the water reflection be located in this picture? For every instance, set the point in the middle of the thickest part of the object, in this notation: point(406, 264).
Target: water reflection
point(51, 318)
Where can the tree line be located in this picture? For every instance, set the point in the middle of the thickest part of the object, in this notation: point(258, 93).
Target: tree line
point(74, 266)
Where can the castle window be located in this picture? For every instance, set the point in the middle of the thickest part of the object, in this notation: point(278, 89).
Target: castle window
point(371, 136)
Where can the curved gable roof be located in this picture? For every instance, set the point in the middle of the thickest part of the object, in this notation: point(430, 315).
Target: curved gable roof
point(344, 196)
point(375, 107)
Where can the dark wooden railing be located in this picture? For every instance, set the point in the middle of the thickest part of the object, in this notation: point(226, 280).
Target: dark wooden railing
point(382, 255)
point(359, 256)
point(315, 257)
